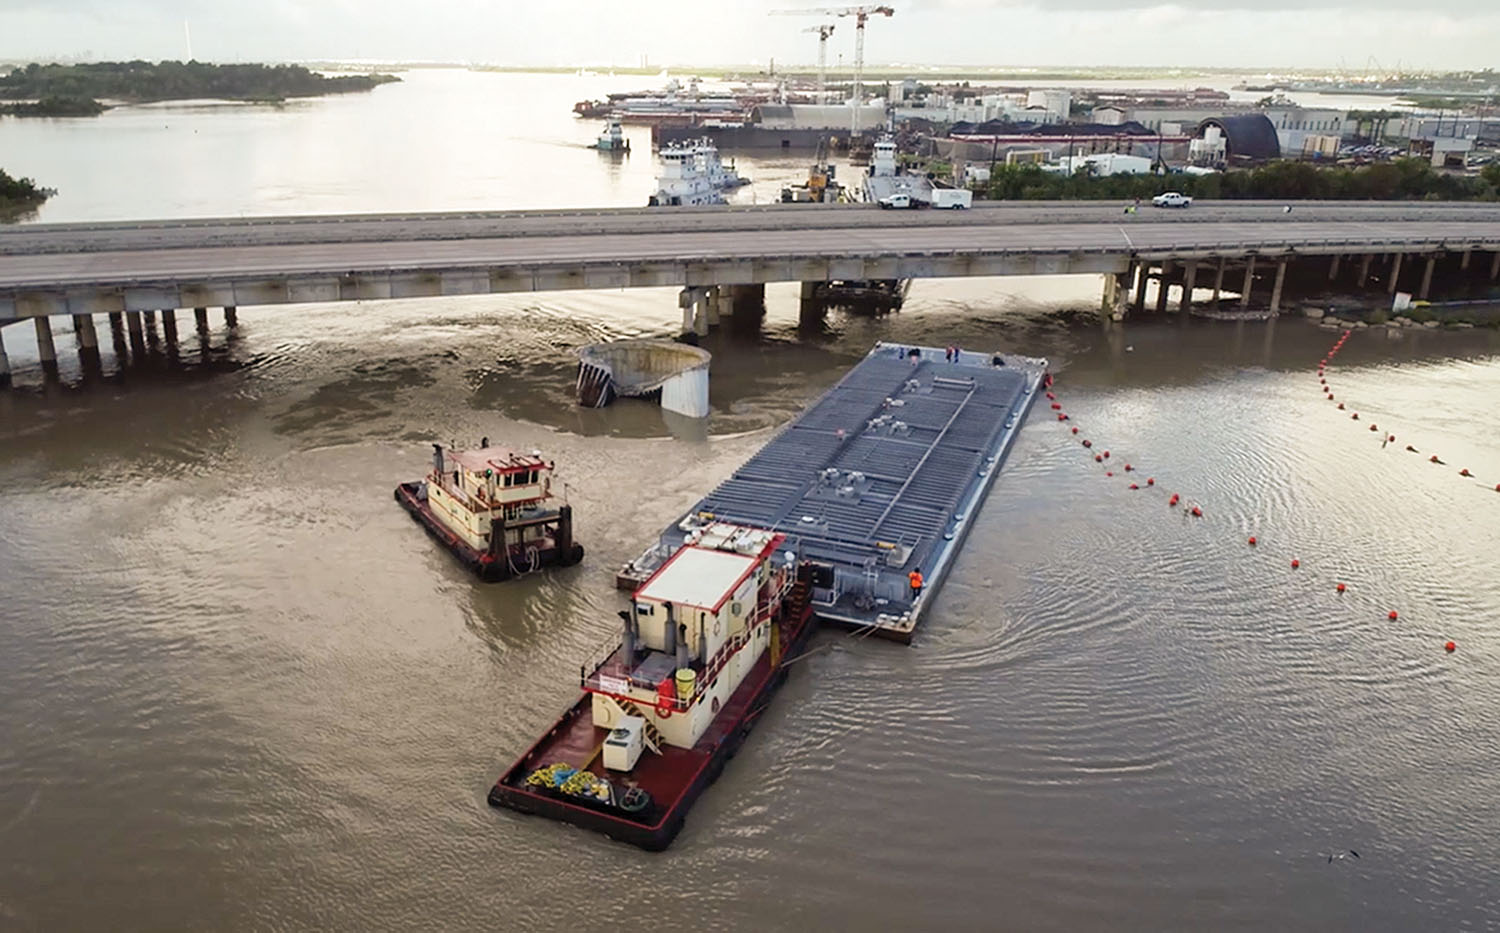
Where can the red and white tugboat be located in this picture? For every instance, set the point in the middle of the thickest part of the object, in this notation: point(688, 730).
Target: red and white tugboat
point(672, 695)
point(493, 508)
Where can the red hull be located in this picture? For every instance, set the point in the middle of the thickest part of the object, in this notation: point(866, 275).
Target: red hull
point(674, 778)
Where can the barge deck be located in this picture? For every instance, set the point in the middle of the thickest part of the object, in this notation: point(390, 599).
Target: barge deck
point(880, 476)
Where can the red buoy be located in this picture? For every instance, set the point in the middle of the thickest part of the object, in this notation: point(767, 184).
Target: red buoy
point(1197, 512)
point(1391, 439)
point(1354, 416)
point(1372, 427)
point(1449, 647)
point(1465, 472)
point(1434, 459)
point(1340, 587)
point(1296, 563)
point(1341, 406)
point(1151, 481)
point(1109, 472)
point(1088, 443)
point(1391, 615)
point(1134, 486)
point(1128, 468)
point(1075, 429)
point(1056, 406)
point(1098, 459)
point(1252, 540)
point(1050, 396)
point(1173, 500)
point(1106, 455)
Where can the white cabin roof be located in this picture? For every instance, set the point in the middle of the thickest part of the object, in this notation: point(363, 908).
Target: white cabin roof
point(698, 577)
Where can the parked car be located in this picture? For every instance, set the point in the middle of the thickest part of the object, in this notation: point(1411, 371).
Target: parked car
point(1172, 199)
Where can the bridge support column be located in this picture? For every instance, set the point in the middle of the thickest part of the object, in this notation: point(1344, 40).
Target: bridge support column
point(1364, 270)
point(1276, 288)
point(45, 348)
point(1162, 287)
point(4, 362)
point(1495, 266)
point(810, 310)
point(1142, 272)
point(149, 317)
point(1219, 279)
point(1427, 278)
point(1249, 281)
point(169, 324)
point(200, 317)
point(1112, 306)
point(231, 316)
point(88, 338)
point(1333, 268)
point(137, 331)
point(1395, 274)
point(1463, 262)
point(1189, 282)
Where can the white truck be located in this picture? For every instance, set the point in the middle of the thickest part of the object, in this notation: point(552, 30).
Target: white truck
point(956, 199)
point(1172, 199)
point(899, 199)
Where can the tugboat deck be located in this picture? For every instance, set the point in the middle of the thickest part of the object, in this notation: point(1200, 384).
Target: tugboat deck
point(879, 476)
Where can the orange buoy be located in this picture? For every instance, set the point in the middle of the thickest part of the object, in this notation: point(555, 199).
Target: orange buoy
point(1449, 647)
point(1151, 481)
point(1391, 615)
point(1252, 540)
point(1340, 587)
point(1098, 459)
point(1296, 563)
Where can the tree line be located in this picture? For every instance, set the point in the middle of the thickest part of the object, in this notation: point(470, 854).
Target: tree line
point(173, 80)
point(1398, 180)
point(20, 194)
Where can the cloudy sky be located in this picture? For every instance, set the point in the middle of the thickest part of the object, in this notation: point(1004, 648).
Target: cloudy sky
point(1352, 34)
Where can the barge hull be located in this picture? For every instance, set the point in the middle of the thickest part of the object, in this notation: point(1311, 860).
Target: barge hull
point(481, 563)
point(682, 773)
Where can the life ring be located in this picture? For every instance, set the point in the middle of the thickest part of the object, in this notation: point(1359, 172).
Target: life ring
point(664, 708)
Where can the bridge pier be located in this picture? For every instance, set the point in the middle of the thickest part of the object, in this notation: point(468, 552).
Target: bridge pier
point(169, 325)
point(1427, 278)
point(1463, 263)
point(1219, 279)
point(1116, 286)
point(1395, 273)
point(46, 349)
point(810, 311)
point(1189, 282)
point(4, 362)
point(1333, 267)
point(88, 340)
point(1276, 288)
point(1249, 281)
point(1162, 287)
point(231, 316)
point(137, 331)
point(1142, 272)
point(1364, 270)
point(200, 317)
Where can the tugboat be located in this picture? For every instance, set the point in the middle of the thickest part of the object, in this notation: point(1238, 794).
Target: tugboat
point(672, 695)
point(613, 138)
point(494, 509)
point(682, 181)
point(721, 176)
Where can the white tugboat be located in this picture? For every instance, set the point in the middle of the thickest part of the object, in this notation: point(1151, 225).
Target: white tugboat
point(693, 175)
point(721, 176)
point(613, 139)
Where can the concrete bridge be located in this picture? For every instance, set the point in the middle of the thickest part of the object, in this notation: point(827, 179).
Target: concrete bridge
point(720, 257)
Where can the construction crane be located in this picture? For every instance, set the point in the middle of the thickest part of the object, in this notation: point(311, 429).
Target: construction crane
point(861, 15)
point(823, 31)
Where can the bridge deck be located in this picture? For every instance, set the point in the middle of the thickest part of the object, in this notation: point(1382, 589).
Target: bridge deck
point(879, 476)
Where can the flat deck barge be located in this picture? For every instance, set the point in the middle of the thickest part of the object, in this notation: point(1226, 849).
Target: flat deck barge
point(880, 476)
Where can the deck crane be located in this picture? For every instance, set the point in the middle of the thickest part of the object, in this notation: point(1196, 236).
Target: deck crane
point(823, 31)
point(861, 15)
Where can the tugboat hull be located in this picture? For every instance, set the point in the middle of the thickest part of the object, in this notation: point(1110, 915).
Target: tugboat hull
point(490, 568)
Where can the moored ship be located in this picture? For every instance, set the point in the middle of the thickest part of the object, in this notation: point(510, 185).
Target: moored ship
point(672, 695)
point(493, 508)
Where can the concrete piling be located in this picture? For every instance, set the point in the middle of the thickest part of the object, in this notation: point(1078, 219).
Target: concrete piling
point(200, 317)
point(810, 310)
point(1395, 273)
point(4, 361)
point(1333, 268)
point(1463, 262)
point(137, 331)
point(1162, 287)
point(45, 348)
point(88, 337)
point(1219, 279)
point(231, 316)
point(1189, 282)
point(1427, 278)
point(1249, 280)
point(1142, 272)
point(1495, 266)
point(1276, 288)
point(1364, 270)
point(169, 325)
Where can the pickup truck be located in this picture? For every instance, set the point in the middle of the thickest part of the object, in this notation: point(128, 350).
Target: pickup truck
point(900, 201)
point(1172, 199)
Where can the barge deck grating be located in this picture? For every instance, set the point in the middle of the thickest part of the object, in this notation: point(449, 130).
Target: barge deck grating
point(880, 475)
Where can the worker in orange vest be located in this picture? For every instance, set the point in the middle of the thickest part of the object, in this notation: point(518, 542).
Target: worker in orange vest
point(915, 579)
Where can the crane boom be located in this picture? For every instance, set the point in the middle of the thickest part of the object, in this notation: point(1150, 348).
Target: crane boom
point(861, 15)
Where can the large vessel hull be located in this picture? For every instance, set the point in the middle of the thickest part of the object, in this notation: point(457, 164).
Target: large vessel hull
point(489, 568)
point(675, 778)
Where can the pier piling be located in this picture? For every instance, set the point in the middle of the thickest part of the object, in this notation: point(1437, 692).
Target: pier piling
point(1276, 288)
point(1463, 262)
point(1219, 279)
point(137, 331)
point(1162, 287)
point(1189, 282)
point(1427, 278)
point(4, 361)
point(1364, 270)
point(200, 317)
point(88, 337)
point(1495, 266)
point(1333, 268)
point(1249, 281)
point(810, 310)
point(1142, 271)
point(45, 348)
point(169, 325)
point(1395, 273)
point(231, 316)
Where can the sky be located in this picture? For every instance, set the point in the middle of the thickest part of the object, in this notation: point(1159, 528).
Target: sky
point(1348, 35)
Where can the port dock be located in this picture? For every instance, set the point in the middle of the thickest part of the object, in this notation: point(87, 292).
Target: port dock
point(880, 476)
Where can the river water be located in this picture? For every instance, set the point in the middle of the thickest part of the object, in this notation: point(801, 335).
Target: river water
point(240, 689)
